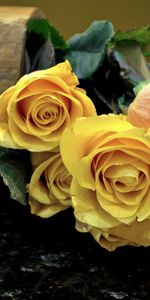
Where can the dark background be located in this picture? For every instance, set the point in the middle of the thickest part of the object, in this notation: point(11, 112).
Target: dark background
point(48, 259)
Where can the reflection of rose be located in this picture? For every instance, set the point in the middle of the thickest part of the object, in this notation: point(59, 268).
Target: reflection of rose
point(35, 112)
point(49, 188)
point(139, 109)
point(111, 174)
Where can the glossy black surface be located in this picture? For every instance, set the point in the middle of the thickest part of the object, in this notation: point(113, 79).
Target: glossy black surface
point(48, 259)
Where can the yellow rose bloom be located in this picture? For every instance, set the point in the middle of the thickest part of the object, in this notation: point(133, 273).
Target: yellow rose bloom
point(35, 112)
point(109, 160)
point(49, 187)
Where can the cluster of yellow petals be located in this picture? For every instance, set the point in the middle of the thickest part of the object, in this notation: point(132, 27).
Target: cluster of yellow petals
point(99, 165)
point(49, 187)
point(35, 112)
point(33, 115)
point(111, 178)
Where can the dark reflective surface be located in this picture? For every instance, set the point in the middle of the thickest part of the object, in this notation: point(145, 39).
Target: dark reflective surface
point(48, 259)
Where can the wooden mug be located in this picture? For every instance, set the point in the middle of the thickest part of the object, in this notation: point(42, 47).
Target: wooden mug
point(12, 41)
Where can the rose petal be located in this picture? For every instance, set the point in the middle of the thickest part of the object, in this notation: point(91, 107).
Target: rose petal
point(138, 232)
point(87, 209)
point(6, 138)
point(49, 186)
point(4, 100)
point(45, 211)
point(108, 241)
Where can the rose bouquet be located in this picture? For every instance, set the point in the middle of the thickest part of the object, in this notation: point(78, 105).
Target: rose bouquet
point(81, 138)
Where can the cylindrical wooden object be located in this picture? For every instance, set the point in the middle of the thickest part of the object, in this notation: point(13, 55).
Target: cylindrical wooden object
point(12, 40)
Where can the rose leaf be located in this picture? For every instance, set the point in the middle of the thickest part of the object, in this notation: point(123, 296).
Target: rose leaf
point(46, 30)
point(13, 173)
point(86, 50)
point(139, 35)
point(131, 60)
point(57, 39)
point(44, 58)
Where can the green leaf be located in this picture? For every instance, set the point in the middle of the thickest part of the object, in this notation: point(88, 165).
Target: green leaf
point(140, 35)
point(40, 27)
point(44, 58)
point(39, 51)
point(12, 171)
point(86, 50)
point(135, 58)
point(132, 63)
point(47, 31)
point(57, 39)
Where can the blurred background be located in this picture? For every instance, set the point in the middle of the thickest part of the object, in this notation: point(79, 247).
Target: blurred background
point(70, 16)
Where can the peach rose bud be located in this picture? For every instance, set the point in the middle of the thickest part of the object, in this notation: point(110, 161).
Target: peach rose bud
point(139, 110)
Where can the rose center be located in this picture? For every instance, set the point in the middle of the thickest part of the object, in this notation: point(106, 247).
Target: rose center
point(126, 180)
point(46, 115)
point(123, 175)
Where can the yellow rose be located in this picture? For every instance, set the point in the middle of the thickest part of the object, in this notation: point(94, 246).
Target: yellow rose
point(35, 112)
point(136, 234)
point(139, 109)
point(109, 160)
point(49, 188)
